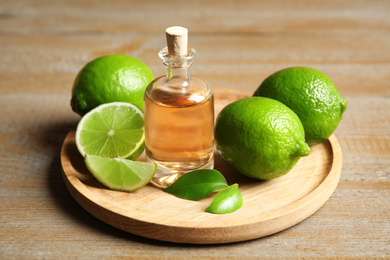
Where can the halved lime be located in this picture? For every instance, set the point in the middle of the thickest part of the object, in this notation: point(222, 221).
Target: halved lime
point(112, 130)
point(120, 174)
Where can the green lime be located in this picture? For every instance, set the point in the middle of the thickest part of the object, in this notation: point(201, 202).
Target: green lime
point(311, 95)
point(120, 174)
point(109, 79)
point(260, 137)
point(113, 130)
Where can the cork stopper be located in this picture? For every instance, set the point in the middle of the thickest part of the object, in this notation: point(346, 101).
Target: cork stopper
point(177, 40)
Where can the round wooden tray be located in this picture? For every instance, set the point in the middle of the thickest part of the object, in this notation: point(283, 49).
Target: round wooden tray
point(269, 206)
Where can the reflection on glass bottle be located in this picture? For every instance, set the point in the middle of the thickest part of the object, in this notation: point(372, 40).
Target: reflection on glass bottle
point(179, 117)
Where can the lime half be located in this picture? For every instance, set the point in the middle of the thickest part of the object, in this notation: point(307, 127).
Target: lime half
point(120, 174)
point(113, 130)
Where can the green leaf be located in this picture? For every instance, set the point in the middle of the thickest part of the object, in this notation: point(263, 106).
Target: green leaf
point(197, 184)
point(226, 201)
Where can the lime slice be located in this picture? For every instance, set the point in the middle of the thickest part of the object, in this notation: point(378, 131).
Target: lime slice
point(112, 130)
point(120, 174)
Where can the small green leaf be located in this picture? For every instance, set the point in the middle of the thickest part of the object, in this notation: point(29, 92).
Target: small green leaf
point(197, 184)
point(226, 201)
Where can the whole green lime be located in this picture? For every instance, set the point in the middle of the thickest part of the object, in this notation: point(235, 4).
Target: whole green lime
point(311, 95)
point(260, 137)
point(108, 79)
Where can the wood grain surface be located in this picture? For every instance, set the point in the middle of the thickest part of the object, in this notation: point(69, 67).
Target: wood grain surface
point(43, 44)
point(269, 206)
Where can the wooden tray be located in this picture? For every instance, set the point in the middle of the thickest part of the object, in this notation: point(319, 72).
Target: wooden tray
point(269, 206)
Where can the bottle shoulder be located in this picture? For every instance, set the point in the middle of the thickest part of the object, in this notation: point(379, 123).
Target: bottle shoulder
point(179, 91)
point(179, 82)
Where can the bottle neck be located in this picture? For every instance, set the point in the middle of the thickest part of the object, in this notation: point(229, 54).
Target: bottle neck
point(174, 72)
point(178, 67)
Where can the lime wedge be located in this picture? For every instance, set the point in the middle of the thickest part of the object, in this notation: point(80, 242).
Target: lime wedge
point(112, 130)
point(120, 174)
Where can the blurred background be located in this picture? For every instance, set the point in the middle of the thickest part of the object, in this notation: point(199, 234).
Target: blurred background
point(45, 43)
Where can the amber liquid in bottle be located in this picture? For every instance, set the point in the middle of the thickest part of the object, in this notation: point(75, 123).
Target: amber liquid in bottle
point(179, 130)
point(179, 121)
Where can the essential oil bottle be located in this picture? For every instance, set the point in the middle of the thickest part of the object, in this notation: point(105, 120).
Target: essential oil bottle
point(179, 114)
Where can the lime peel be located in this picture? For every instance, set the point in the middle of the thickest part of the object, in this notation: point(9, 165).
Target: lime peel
point(226, 201)
point(198, 184)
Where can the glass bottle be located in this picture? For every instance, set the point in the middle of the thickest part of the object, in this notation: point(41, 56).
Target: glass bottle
point(179, 114)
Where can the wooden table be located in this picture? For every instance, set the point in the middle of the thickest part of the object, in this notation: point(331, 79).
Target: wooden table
point(43, 44)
